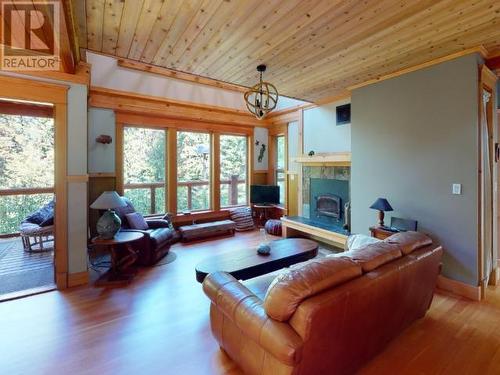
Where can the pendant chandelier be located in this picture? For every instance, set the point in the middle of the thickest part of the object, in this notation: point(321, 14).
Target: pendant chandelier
point(261, 98)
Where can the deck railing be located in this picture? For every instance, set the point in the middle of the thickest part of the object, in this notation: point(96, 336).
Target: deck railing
point(152, 186)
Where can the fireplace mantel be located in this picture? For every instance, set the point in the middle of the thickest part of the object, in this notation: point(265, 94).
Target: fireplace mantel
point(336, 159)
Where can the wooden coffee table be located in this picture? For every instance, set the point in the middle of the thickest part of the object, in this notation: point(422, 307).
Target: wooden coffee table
point(246, 263)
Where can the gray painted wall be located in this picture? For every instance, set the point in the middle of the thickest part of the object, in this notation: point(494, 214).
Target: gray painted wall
point(101, 157)
point(321, 132)
point(413, 136)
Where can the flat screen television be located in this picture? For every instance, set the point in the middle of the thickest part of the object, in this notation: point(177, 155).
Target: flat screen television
point(265, 194)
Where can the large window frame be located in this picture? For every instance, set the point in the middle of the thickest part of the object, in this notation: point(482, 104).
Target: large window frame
point(279, 131)
point(172, 127)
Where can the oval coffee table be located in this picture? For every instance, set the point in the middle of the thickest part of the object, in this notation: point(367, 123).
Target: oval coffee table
point(246, 263)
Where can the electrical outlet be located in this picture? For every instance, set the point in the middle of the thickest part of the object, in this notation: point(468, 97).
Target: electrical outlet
point(456, 189)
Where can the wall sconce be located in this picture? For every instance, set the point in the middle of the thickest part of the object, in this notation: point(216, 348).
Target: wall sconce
point(104, 139)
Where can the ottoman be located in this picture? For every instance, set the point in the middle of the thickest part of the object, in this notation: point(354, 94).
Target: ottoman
point(273, 227)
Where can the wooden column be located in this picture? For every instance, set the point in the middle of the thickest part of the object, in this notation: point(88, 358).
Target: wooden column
point(119, 157)
point(300, 201)
point(172, 170)
point(215, 173)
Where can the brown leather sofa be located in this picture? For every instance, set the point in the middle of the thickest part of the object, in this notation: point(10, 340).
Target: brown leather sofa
point(157, 239)
point(326, 316)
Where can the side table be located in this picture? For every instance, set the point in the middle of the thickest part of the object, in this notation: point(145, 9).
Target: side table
point(122, 258)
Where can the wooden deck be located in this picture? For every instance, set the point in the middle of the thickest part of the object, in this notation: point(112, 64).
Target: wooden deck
point(21, 270)
point(159, 324)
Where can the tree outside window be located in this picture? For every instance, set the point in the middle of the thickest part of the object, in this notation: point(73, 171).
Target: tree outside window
point(280, 166)
point(233, 170)
point(144, 168)
point(193, 171)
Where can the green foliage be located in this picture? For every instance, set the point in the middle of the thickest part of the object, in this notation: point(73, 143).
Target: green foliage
point(193, 165)
point(233, 162)
point(26, 152)
point(26, 161)
point(144, 155)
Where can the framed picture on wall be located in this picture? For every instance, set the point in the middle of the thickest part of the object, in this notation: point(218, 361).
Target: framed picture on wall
point(344, 114)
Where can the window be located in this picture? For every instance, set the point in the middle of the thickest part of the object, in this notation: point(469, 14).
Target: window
point(233, 170)
point(193, 171)
point(280, 166)
point(144, 169)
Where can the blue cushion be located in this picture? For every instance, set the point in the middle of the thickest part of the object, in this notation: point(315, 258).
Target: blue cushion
point(43, 216)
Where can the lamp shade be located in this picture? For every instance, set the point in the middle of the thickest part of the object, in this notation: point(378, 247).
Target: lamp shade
point(108, 200)
point(381, 204)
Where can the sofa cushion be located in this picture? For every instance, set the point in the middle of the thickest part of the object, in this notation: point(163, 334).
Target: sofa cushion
point(160, 236)
point(290, 288)
point(374, 255)
point(136, 221)
point(409, 241)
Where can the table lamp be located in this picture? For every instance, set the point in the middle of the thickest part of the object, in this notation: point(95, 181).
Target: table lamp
point(109, 223)
point(381, 205)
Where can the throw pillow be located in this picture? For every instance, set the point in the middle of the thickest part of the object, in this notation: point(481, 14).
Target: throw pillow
point(43, 216)
point(358, 241)
point(136, 221)
point(243, 218)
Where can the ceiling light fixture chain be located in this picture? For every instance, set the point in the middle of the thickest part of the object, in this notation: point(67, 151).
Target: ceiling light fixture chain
point(262, 98)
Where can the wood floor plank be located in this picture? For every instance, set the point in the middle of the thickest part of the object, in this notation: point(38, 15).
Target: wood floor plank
point(159, 324)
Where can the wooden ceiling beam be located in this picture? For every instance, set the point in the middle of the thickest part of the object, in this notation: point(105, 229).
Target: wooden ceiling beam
point(162, 107)
point(170, 73)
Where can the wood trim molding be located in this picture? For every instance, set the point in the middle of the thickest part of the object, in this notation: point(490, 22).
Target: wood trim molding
point(32, 90)
point(168, 108)
point(459, 288)
point(77, 178)
point(103, 175)
point(479, 49)
point(153, 121)
point(172, 171)
point(77, 279)
point(175, 74)
point(215, 172)
point(119, 157)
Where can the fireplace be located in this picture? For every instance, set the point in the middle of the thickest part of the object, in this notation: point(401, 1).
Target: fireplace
point(327, 198)
point(329, 205)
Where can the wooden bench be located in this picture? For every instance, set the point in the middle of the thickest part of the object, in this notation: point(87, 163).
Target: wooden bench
point(204, 230)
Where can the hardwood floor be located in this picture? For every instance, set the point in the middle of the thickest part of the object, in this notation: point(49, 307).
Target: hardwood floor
point(159, 325)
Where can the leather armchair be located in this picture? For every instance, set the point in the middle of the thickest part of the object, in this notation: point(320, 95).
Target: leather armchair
point(157, 238)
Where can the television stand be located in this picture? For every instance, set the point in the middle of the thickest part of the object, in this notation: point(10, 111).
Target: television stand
point(263, 212)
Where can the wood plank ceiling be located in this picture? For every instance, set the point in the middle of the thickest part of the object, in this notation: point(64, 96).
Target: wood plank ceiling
point(314, 49)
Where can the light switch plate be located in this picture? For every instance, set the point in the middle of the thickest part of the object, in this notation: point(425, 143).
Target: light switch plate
point(456, 189)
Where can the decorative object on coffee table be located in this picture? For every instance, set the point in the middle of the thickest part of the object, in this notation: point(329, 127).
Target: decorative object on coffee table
point(109, 223)
point(382, 205)
point(263, 248)
point(123, 256)
point(245, 264)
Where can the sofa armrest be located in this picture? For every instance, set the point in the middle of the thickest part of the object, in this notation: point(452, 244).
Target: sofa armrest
point(157, 223)
point(245, 310)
